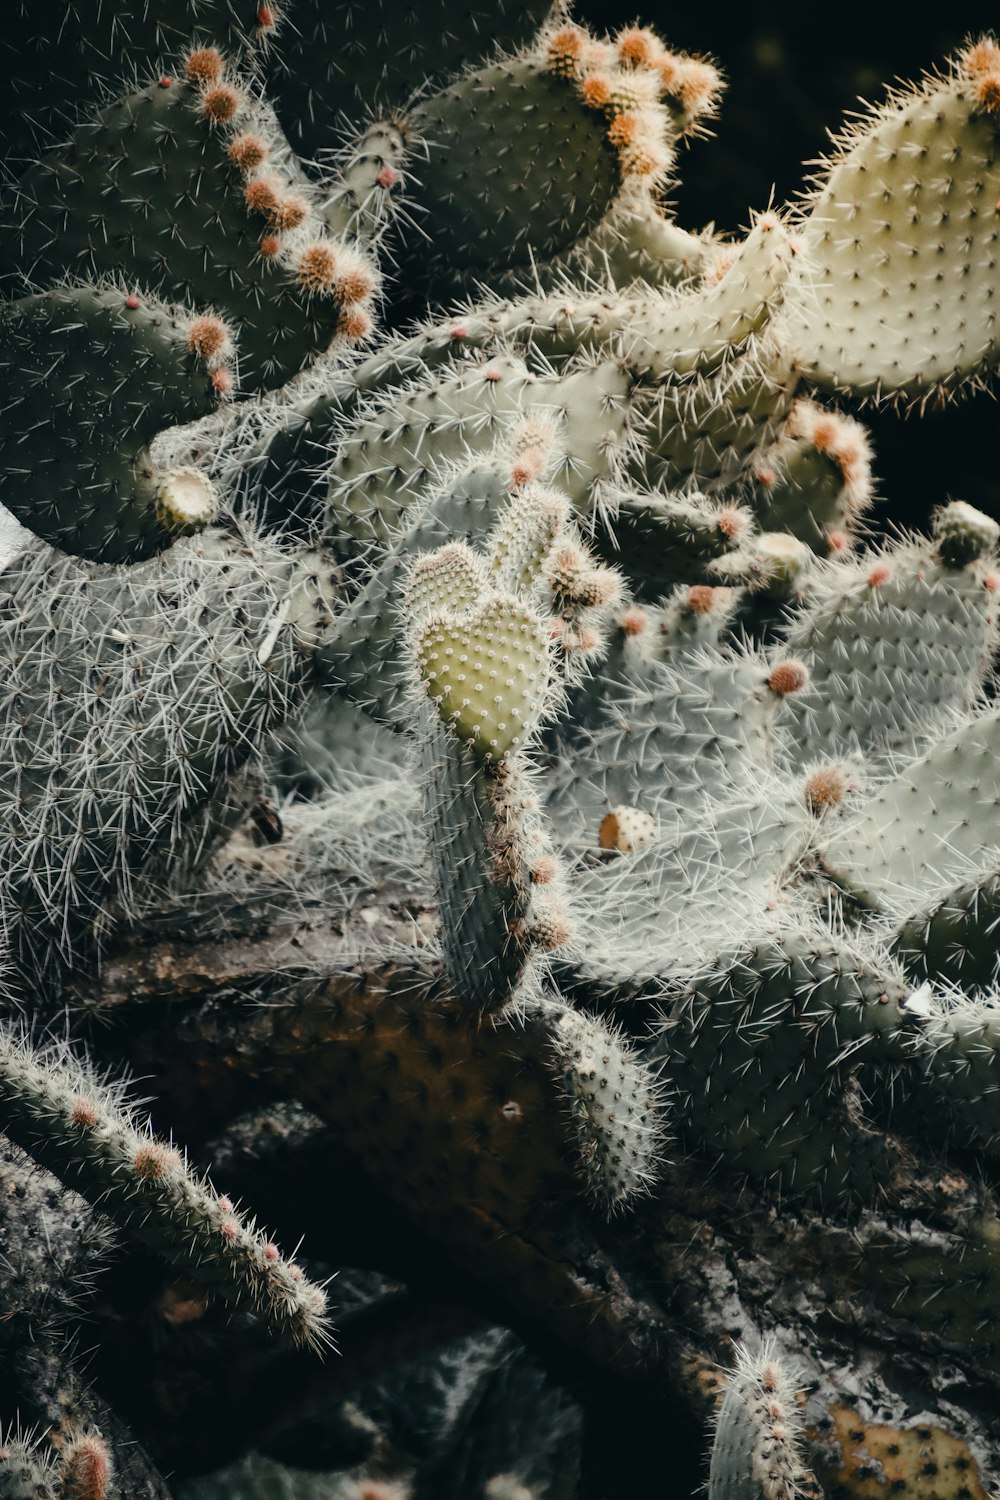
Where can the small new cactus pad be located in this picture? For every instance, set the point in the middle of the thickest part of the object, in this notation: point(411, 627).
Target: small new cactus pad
point(486, 671)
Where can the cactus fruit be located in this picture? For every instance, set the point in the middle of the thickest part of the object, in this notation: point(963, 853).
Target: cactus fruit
point(512, 807)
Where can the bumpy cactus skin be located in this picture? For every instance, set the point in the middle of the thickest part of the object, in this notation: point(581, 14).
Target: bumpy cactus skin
point(477, 761)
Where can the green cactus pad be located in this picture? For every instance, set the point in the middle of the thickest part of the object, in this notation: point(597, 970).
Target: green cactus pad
point(539, 193)
point(487, 672)
point(894, 641)
point(613, 1105)
point(694, 332)
point(53, 1106)
point(478, 828)
point(707, 432)
point(362, 653)
point(663, 539)
point(389, 456)
point(874, 317)
point(815, 482)
point(102, 761)
point(75, 462)
point(952, 939)
point(957, 1047)
point(342, 59)
point(84, 49)
point(157, 190)
point(779, 1023)
point(754, 1449)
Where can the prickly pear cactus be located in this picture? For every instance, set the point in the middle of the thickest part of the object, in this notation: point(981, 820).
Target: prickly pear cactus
point(468, 751)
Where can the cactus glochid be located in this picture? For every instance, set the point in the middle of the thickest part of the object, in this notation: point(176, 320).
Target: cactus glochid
point(467, 747)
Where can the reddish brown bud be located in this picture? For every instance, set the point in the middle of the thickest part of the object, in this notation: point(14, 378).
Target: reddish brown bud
point(639, 46)
point(354, 323)
point(317, 268)
point(86, 1470)
point(204, 66)
point(219, 104)
point(208, 338)
point(153, 1160)
point(84, 1114)
point(700, 599)
point(826, 788)
point(633, 621)
point(354, 284)
point(787, 677)
point(247, 151)
point(596, 91)
point(988, 90)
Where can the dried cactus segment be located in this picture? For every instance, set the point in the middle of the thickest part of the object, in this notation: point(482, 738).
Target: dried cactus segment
point(86, 1469)
point(54, 1107)
point(76, 442)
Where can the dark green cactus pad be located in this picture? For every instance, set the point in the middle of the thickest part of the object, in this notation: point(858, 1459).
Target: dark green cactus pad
point(88, 378)
point(148, 190)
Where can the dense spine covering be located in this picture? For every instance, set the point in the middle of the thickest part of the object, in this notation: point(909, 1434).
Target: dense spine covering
point(633, 810)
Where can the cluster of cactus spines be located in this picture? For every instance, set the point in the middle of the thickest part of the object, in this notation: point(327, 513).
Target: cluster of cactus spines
point(617, 710)
point(755, 1449)
point(83, 1470)
point(89, 1137)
